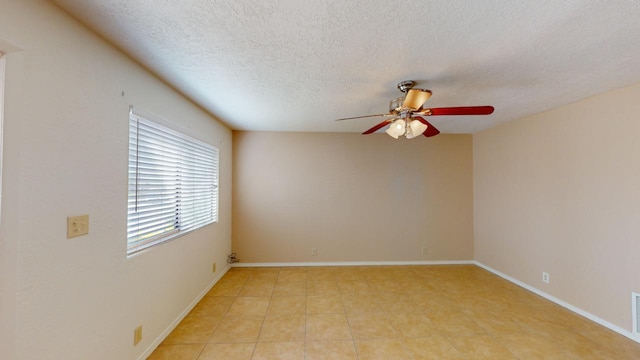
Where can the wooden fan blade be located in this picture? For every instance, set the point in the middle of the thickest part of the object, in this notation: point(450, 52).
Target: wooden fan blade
point(460, 110)
point(377, 127)
point(363, 116)
point(416, 98)
point(431, 130)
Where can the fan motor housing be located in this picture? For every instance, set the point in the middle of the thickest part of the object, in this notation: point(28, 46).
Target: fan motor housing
point(406, 85)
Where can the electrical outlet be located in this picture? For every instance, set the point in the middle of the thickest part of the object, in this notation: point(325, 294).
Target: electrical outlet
point(314, 251)
point(77, 226)
point(213, 268)
point(424, 250)
point(545, 277)
point(137, 335)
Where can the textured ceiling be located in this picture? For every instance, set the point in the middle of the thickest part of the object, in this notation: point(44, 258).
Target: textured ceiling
point(296, 65)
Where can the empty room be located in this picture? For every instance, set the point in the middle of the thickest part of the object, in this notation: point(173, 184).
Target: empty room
point(207, 179)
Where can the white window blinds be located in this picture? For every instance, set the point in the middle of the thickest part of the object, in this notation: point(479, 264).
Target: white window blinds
point(173, 183)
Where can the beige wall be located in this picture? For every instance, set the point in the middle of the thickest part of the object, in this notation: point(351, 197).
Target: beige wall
point(560, 192)
point(354, 197)
point(65, 153)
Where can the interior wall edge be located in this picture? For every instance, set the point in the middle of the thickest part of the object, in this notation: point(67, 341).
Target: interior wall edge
point(182, 315)
point(562, 303)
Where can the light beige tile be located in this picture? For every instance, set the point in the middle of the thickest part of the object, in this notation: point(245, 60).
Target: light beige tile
point(264, 274)
point(292, 275)
point(237, 274)
point(326, 274)
point(226, 288)
point(385, 286)
point(240, 351)
point(419, 312)
point(371, 326)
point(626, 348)
point(213, 306)
point(445, 312)
point(355, 304)
point(432, 348)
point(398, 303)
point(290, 288)
point(237, 329)
point(481, 347)
point(249, 306)
point(458, 326)
point(498, 325)
point(588, 349)
point(413, 324)
point(180, 351)
point(282, 328)
point(231, 281)
point(348, 274)
point(322, 287)
point(359, 287)
point(324, 305)
point(331, 350)
point(535, 348)
point(327, 327)
point(287, 305)
point(279, 351)
point(382, 349)
point(377, 273)
point(257, 288)
point(193, 330)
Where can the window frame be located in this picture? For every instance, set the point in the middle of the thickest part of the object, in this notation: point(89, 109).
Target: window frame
point(183, 198)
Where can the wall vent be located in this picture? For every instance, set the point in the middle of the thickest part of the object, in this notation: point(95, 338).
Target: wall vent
point(635, 310)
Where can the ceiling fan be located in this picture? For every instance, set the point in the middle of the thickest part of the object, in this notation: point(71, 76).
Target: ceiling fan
point(406, 113)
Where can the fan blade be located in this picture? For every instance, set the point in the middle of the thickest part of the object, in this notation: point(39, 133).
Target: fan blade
point(378, 127)
point(460, 110)
point(416, 98)
point(363, 116)
point(431, 130)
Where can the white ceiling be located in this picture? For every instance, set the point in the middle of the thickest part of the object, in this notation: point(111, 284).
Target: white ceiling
point(296, 65)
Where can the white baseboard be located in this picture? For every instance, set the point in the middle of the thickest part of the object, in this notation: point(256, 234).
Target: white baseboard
point(562, 303)
point(355, 263)
point(182, 315)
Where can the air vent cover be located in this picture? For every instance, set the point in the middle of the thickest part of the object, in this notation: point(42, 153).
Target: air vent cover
point(635, 304)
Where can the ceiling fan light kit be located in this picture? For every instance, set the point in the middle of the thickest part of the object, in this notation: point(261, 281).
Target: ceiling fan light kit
point(415, 129)
point(407, 113)
point(397, 128)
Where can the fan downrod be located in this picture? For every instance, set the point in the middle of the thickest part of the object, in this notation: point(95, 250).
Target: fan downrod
point(406, 85)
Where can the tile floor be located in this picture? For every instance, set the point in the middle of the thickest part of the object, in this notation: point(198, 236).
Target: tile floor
point(383, 312)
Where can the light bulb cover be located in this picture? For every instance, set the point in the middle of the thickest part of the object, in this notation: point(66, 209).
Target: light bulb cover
point(397, 128)
point(416, 128)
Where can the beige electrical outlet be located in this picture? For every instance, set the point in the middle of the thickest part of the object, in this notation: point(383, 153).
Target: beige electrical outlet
point(213, 269)
point(77, 226)
point(137, 335)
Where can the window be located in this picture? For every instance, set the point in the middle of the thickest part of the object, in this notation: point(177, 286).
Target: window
point(173, 183)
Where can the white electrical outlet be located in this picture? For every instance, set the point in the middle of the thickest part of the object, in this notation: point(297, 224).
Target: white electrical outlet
point(314, 251)
point(545, 277)
point(424, 250)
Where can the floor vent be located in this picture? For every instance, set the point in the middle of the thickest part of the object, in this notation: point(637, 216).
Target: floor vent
point(635, 305)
